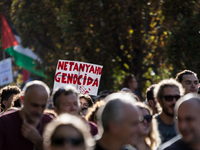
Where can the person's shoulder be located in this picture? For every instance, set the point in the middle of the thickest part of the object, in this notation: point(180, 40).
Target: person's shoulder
point(47, 118)
point(9, 114)
point(173, 144)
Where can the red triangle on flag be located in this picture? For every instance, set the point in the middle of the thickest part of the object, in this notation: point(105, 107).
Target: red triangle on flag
point(8, 38)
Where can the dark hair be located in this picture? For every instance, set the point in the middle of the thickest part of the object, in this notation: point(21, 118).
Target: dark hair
point(179, 76)
point(67, 90)
point(127, 80)
point(105, 92)
point(88, 98)
point(6, 92)
point(149, 92)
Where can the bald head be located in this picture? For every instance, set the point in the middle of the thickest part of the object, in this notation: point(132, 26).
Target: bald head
point(36, 83)
point(188, 114)
point(188, 97)
point(36, 94)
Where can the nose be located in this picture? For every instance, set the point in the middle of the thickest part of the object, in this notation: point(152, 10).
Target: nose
point(193, 85)
point(144, 121)
point(67, 146)
point(81, 105)
point(174, 100)
point(73, 107)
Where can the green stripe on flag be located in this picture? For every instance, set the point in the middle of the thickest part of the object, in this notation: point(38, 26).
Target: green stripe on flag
point(24, 61)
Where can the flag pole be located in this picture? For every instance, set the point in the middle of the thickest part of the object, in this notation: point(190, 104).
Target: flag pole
point(3, 54)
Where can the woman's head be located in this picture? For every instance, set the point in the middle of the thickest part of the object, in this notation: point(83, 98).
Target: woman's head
point(130, 82)
point(67, 132)
point(146, 124)
point(92, 111)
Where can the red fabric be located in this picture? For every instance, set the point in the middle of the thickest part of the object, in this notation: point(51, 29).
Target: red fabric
point(8, 38)
point(25, 75)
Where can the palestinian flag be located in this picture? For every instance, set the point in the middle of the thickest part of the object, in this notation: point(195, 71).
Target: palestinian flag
point(24, 57)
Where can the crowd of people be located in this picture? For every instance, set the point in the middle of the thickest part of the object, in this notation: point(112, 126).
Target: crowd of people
point(32, 119)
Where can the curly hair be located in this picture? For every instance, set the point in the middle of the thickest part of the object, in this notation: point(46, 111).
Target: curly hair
point(6, 92)
point(153, 138)
point(92, 111)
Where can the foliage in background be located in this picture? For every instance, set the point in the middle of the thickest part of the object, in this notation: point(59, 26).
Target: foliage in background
point(151, 39)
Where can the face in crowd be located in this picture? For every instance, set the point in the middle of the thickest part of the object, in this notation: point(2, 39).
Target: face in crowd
point(190, 83)
point(67, 137)
point(145, 125)
point(133, 84)
point(129, 126)
point(35, 100)
point(84, 105)
point(67, 132)
point(68, 104)
point(170, 96)
point(189, 120)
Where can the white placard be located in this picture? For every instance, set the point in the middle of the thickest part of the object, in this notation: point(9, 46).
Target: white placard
point(6, 75)
point(84, 76)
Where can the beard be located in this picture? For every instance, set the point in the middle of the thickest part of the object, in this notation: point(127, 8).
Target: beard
point(166, 111)
point(32, 118)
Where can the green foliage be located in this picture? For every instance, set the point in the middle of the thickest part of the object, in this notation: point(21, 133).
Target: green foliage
point(183, 26)
point(151, 39)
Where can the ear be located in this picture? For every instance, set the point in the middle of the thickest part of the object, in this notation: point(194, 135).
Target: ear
point(151, 103)
point(4, 102)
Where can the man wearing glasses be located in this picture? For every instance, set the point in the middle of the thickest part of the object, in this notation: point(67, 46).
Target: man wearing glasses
point(187, 111)
point(167, 92)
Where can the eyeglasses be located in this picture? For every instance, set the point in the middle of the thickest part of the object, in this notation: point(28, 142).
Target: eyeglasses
point(148, 118)
point(170, 98)
point(60, 141)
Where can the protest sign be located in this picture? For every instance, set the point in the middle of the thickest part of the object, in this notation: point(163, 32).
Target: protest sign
point(84, 76)
point(6, 76)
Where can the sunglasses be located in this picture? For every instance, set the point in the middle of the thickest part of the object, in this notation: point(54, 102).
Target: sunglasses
point(60, 141)
point(148, 118)
point(170, 98)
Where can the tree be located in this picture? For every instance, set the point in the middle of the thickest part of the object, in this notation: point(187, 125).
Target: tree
point(123, 36)
point(182, 21)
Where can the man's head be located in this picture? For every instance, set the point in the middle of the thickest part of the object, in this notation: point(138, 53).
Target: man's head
point(187, 110)
point(6, 96)
point(167, 92)
point(35, 97)
point(189, 81)
point(65, 100)
point(119, 117)
point(150, 98)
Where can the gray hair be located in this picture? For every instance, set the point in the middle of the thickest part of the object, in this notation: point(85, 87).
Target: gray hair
point(74, 121)
point(67, 90)
point(187, 97)
point(113, 110)
point(34, 83)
